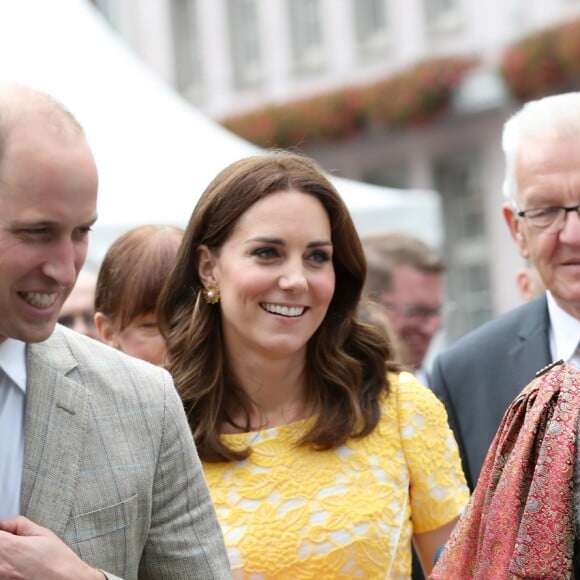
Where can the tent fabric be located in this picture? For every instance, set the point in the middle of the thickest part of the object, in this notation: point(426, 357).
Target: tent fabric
point(155, 152)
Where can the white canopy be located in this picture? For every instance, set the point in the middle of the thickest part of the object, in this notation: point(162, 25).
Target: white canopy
point(155, 152)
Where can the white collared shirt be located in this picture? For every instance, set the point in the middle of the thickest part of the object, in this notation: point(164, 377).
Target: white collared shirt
point(12, 403)
point(564, 333)
point(422, 376)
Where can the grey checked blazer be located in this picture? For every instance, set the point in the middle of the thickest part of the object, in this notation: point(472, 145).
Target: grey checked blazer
point(110, 465)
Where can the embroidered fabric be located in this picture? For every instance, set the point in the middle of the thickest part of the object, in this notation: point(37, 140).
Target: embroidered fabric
point(520, 520)
point(293, 513)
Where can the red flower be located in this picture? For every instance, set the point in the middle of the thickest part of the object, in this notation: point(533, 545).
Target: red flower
point(543, 63)
point(414, 96)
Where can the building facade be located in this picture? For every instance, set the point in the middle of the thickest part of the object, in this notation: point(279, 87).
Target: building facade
point(230, 57)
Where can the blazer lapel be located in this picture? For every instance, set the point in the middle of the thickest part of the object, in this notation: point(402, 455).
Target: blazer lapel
point(55, 426)
point(531, 350)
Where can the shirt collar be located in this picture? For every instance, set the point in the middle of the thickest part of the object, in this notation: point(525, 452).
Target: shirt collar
point(13, 361)
point(422, 375)
point(564, 331)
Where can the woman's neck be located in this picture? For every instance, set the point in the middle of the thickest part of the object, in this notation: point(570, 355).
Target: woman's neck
point(277, 388)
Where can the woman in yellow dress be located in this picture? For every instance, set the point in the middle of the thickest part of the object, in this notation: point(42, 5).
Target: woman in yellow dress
point(323, 458)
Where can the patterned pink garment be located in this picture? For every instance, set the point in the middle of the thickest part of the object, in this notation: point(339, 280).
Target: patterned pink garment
point(519, 522)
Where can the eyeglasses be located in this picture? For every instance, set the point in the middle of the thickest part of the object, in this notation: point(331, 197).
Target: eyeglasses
point(549, 219)
point(419, 313)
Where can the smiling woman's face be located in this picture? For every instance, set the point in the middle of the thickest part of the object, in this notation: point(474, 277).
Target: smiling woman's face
point(275, 275)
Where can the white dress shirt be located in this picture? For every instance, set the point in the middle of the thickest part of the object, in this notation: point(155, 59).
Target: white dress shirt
point(422, 376)
point(564, 333)
point(12, 403)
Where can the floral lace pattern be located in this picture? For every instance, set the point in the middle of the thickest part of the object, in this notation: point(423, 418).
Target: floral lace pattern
point(291, 512)
point(520, 520)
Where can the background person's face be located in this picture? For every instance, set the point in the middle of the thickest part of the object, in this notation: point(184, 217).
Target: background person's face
point(78, 309)
point(419, 292)
point(548, 174)
point(48, 196)
point(140, 338)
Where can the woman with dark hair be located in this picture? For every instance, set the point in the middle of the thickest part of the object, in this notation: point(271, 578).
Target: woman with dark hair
point(130, 279)
point(322, 457)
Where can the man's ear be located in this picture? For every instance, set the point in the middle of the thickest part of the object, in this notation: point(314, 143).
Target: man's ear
point(106, 330)
point(206, 266)
point(515, 226)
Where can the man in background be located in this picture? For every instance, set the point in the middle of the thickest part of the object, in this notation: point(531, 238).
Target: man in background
point(78, 310)
point(405, 277)
point(483, 372)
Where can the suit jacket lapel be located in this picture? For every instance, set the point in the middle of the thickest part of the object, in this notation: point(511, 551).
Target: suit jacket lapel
point(55, 426)
point(531, 351)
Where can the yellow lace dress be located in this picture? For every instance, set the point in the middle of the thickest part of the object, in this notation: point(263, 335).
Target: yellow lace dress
point(293, 513)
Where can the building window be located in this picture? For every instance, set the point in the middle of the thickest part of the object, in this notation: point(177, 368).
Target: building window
point(372, 27)
point(459, 179)
point(187, 50)
point(442, 16)
point(306, 29)
point(245, 43)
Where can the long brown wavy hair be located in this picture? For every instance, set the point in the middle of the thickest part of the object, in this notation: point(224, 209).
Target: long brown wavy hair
point(347, 360)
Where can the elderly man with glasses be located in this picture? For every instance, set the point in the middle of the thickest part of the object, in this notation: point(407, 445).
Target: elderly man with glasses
point(482, 373)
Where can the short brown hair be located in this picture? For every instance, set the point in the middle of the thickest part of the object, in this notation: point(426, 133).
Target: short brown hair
point(385, 251)
point(346, 360)
point(134, 270)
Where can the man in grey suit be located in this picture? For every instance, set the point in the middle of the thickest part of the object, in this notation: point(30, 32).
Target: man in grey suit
point(483, 372)
point(99, 476)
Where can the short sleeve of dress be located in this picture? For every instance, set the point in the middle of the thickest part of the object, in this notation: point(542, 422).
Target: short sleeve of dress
point(438, 490)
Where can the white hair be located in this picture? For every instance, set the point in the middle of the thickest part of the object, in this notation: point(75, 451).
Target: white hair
point(556, 116)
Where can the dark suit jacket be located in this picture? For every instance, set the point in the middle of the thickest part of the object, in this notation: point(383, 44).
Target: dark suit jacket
point(479, 376)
